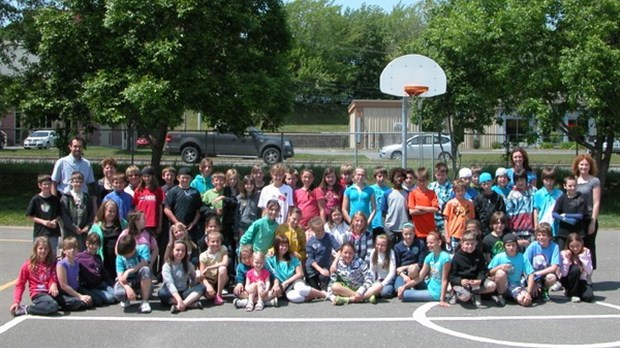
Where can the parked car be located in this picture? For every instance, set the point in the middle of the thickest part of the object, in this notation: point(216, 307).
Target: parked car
point(615, 147)
point(41, 139)
point(431, 145)
point(2, 140)
point(251, 144)
point(142, 142)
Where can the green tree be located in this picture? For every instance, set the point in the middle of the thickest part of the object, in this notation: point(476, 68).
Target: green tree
point(143, 63)
point(319, 56)
point(540, 59)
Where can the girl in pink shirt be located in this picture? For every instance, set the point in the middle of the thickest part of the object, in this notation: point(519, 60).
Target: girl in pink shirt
point(40, 273)
point(306, 198)
point(257, 283)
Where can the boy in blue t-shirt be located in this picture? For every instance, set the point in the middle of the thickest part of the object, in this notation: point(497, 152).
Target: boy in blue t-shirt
point(132, 267)
point(544, 257)
point(320, 250)
point(507, 269)
point(544, 200)
point(380, 187)
point(123, 200)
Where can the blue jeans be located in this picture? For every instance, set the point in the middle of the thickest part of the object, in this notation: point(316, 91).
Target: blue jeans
point(102, 294)
point(414, 295)
point(165, 296)
point(417, 294)
point(387, 291)
point(119, 291)
point(43, 304)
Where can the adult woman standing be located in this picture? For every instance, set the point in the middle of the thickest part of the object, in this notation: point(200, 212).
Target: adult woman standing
point(584, 169)
point(519, 162)
point(104, 185)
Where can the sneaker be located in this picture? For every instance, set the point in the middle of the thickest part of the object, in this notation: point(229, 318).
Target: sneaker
point(198, 305)
point(224, 292)
point(452, 299)
point(556, 287)
point(373, 299)
point(259, 306)
point(174, 309)
point(545, 295)
point(21, 310)
point(145, 307)
point(575, 299)
point(218, 300)
point(125, 304)
point(240, 302)
point(476, 300)
point(249, 306)
point(274, 302)
point(500, 301)
point(339, 300)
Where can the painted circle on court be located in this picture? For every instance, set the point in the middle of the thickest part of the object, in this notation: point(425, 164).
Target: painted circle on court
point(420, 316)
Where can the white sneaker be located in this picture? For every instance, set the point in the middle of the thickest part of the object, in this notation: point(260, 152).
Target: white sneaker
point(224, 291)
point(125, 304)
point(556, 287)
point(145, 307)
point(240, 302)
point(575, 299)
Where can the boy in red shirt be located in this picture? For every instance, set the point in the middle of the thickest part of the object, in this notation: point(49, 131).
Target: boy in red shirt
point(422, 204)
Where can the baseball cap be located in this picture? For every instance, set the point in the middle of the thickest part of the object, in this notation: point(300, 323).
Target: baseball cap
point(500, 171)
point(465, 173)
point(485, 177)
point(509, 238)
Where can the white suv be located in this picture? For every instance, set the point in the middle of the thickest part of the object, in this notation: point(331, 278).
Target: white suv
point(41, 139)
point(431, 145)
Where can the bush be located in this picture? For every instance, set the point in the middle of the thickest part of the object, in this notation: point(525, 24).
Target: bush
point(568, 146)
point(497, 145)
point(476, 143)
point(547, 145)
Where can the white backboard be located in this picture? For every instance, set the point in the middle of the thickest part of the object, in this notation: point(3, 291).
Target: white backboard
point(412, 70)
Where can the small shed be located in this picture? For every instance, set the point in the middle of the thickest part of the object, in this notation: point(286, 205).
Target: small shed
point(375, 123)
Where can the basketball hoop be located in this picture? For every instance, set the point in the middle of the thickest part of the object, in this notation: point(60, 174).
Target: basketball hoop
point(414, 91)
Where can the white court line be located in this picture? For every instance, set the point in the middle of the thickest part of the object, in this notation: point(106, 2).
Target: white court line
point(528, 317)
point(219, 320)
point(4, 328)
point(608, 305)
point(422, 319)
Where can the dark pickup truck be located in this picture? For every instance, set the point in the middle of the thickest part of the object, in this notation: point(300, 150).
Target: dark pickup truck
point(251, 144)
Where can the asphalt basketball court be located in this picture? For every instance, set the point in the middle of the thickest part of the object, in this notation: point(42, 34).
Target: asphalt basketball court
point(558, 323)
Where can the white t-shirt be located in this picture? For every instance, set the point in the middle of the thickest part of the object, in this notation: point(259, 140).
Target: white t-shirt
point(284, 196)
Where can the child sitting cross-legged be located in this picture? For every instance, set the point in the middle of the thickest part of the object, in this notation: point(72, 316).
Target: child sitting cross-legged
point(352, 281)
point(181, 288)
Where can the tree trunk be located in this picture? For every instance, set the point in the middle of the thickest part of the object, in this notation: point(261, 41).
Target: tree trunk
point(157, 141)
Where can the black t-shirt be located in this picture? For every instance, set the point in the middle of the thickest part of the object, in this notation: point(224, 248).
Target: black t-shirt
point(574, 205)
point(184, 203)
point(492, 245)
point(46, 208)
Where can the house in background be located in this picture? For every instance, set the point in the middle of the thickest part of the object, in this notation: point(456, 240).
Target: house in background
point(376, 123)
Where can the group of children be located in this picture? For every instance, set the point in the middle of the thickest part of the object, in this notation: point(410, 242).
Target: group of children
point(342, 240)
